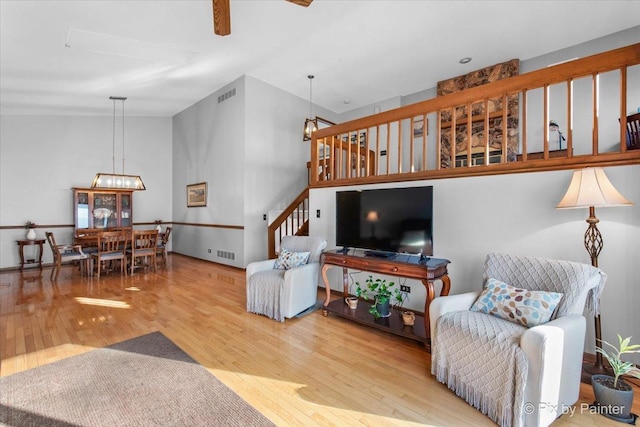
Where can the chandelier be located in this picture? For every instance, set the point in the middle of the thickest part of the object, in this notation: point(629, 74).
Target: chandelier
point(113, 180)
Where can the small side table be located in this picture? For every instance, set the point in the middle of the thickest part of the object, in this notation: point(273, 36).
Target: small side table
point(22, 244)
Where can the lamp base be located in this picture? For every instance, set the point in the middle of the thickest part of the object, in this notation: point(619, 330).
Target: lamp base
point(589, 369)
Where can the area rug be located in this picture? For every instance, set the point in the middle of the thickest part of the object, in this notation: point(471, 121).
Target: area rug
point(145, 381)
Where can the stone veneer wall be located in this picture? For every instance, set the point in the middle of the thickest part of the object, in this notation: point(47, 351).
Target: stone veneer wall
point(473, 79)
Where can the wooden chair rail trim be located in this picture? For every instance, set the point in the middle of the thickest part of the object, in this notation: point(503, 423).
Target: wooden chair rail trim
point(195, 224)
point(46, 226)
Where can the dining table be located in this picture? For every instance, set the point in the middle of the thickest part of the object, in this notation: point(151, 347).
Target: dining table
point(88, 238)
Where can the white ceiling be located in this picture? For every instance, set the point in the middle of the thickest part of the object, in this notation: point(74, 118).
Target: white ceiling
point(360, 51)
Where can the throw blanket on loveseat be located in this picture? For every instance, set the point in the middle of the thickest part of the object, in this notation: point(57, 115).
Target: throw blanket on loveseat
point(488, 369)
point(265, 294)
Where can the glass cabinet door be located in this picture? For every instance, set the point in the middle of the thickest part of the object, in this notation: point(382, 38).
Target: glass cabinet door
point(105, 209)
point(125, 210)
point(82, 210)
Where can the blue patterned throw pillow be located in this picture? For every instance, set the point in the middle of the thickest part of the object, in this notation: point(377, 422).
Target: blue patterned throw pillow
point(528, 308)
point(287, 259)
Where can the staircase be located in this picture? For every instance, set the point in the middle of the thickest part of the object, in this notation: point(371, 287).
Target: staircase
point(293, 221)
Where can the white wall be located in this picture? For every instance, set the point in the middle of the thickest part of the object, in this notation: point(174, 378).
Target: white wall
point(275, 163)
point(43, 157)
point(516, 214)
point(249, 150)
point(208, 146)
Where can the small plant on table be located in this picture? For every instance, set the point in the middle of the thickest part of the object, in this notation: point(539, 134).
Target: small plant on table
point(383, 293)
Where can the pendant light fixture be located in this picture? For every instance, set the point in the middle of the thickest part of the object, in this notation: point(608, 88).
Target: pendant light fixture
point(310, 124)
point(113, 180)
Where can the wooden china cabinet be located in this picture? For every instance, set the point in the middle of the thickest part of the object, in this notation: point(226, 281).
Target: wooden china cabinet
point(102, 208)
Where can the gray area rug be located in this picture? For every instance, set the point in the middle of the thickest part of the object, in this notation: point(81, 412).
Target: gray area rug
point(145, 381)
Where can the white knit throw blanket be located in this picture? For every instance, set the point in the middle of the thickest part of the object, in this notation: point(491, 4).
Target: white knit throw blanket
point(479, 357)
point(265, 294)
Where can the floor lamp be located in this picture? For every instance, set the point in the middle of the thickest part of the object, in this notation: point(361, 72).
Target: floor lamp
point(590, 188)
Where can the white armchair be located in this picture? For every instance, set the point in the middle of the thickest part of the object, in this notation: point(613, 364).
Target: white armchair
point(283, 293)
point(516, 375)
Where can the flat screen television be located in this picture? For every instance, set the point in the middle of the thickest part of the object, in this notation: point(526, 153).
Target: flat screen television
point(392, 220)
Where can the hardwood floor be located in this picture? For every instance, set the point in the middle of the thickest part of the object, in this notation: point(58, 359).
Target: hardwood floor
point(306, 371)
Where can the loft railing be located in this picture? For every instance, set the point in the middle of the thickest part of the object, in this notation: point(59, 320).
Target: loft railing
point(294, 220)
point(500, 127)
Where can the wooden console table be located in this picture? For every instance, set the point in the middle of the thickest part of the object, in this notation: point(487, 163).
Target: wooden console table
point(22, 244)
point(403, 265)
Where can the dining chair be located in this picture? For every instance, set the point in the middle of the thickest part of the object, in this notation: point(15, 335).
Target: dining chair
point(65, 253)
point(112, 246)
point(633, 132)
point(161, 249)
point(143, 245)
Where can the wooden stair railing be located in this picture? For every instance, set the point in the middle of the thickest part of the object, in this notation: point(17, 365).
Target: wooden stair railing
point(431, 140)
point(336, 158)
point(294, 220)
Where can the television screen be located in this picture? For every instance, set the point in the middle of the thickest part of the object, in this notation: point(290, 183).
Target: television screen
point(386, 220)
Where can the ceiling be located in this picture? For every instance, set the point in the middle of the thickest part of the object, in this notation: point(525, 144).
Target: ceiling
point(164, 56)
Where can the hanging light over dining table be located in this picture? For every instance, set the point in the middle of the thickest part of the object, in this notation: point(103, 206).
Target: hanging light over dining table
point(113, 180)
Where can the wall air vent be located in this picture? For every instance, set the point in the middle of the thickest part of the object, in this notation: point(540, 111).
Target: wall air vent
point(226, 95)
point(226, 254)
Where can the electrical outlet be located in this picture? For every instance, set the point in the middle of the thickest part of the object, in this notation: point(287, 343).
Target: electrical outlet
point(383, 153)
point(317, 213)
point(264, 217)
point(405, 288)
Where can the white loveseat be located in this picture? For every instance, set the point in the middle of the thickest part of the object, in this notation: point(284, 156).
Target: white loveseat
point(280, 293)
point(466, 356)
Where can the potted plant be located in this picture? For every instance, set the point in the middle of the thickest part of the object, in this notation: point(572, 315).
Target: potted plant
point(614, 397)
point(383, 293)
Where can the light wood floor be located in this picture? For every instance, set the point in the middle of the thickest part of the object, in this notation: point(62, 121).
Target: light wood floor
point(306, 371)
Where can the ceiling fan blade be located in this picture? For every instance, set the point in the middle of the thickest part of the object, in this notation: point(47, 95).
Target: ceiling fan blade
point(304, 3)
point(221, 17)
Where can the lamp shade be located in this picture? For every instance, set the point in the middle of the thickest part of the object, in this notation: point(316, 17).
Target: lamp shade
point(591, 187)
point(372, 216)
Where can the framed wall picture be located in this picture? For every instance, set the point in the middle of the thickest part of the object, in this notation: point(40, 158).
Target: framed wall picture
point(197, 195)
point(419, 127)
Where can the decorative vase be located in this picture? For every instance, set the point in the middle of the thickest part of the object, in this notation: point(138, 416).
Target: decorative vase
point(408, 318)
point(613, 403)
point(31, 234)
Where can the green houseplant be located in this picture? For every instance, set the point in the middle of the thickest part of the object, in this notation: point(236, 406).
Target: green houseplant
point(613, 396)
point(383, 293)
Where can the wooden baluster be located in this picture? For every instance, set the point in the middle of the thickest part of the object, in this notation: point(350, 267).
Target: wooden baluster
point(399, 146)
point(594, 92)
point(524, 125)
point(505, 128)
point(424, 142)
point(485, 105)
point(623, 109)
point(469, 126)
